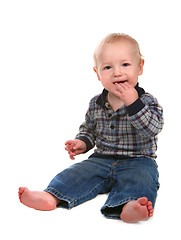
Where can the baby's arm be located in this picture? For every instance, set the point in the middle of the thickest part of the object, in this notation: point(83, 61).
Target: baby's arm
point(85, 139)
point(75, 147)
point(146, 115)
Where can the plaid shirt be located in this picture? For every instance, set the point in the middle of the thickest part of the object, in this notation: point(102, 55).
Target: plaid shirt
point(129, 132)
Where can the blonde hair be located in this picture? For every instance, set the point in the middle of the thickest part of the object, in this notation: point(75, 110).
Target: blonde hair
point(115, 37)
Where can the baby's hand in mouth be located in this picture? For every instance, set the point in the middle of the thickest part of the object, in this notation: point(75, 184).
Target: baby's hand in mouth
point(126, 92)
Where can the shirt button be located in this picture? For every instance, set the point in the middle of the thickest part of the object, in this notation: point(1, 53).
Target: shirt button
point(107, 104)
point(112, 127)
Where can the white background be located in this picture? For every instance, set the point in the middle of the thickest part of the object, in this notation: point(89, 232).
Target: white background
point(46, 82)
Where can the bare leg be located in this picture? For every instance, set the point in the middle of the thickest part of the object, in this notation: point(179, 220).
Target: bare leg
point(138, 210)
point(38, 200)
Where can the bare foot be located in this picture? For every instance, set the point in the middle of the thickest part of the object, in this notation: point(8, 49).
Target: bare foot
point(138, 210)
point(38, 200)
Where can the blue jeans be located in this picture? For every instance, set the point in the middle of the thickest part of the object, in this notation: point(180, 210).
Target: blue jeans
point(124, 179)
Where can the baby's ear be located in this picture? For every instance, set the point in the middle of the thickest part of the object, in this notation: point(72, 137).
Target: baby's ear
point(141, 67)
point(95, 70)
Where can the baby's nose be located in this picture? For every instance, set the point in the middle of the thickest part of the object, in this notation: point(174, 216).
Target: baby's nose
point(118, 72)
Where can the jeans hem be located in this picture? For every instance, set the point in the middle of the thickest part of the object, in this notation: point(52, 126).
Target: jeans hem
point(113, 211)
point(66, 202)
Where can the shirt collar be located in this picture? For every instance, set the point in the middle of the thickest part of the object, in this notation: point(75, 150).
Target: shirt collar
point(102, 99)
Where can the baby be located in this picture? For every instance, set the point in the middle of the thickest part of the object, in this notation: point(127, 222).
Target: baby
point(123, 123)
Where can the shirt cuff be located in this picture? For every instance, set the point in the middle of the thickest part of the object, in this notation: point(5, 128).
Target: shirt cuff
point(135, 107)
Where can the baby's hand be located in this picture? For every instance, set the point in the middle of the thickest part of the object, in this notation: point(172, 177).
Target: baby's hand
point(75, 147)
point(126, 92)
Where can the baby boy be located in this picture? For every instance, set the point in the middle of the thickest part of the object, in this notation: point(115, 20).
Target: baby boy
point(122, 123)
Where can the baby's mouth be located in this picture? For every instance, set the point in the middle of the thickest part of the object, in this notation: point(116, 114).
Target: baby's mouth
point(119, 82)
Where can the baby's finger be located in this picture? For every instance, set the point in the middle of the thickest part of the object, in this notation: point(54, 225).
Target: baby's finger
point(72, 155)
point(70, 142)
point(119, 87)
point(67, 148)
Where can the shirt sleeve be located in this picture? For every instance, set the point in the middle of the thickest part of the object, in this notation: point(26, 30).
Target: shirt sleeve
point(86, 130)
point(146, 115)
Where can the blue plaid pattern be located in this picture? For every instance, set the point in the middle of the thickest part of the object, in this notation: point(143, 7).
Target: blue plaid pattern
point(130, 131)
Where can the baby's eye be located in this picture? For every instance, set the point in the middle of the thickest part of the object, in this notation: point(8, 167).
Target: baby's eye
point(107, 67)
point(126, 64)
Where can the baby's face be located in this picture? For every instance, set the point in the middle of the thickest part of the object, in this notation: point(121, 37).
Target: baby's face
point(118, 63)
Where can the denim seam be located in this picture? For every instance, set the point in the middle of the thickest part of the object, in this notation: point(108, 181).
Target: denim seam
point(113, 168)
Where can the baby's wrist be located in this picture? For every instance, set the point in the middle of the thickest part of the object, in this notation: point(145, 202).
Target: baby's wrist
point(135, 107)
